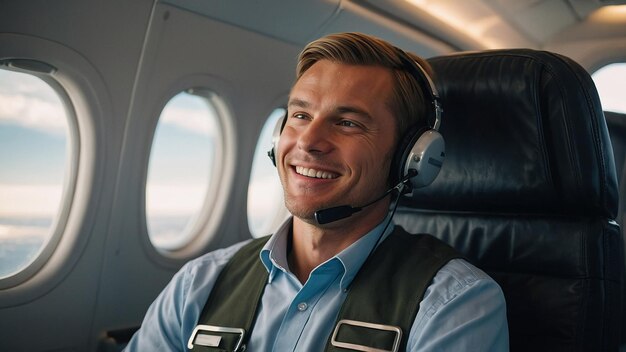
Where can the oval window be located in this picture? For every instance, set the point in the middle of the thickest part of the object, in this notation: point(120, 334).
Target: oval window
point(180, 169)
point(266, 205)
point(610, 81)
point(35, 155)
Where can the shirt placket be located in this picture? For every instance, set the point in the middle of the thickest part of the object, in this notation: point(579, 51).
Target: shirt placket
point(294, 324)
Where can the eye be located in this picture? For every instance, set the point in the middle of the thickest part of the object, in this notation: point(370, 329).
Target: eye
point(347, 123)
point(298, 119)
point(300, 116)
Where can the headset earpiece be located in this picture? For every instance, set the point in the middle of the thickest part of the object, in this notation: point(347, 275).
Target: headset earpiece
point(421, 149)
point(278, 129)
point(425, 156)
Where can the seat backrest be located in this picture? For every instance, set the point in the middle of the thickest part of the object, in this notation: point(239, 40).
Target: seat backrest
point(617, 130)
point(528, 192)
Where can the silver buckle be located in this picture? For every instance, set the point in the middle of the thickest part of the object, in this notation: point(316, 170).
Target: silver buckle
point(213, 340)
point(396, 342)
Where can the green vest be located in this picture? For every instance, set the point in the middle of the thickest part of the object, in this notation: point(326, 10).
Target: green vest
point(378, 312)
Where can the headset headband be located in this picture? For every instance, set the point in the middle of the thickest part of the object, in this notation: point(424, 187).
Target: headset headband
point(427, 84)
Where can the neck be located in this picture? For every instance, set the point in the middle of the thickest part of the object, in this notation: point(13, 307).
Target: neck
point(313, 244)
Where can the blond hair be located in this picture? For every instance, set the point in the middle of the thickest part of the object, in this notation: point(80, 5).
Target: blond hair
point(408, 101)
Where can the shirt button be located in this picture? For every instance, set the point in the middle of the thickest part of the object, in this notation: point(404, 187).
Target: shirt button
point(302, 306)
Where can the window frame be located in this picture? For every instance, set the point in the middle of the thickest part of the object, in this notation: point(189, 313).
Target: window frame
point(205, 228)
point(91, 102)
point(45, 72)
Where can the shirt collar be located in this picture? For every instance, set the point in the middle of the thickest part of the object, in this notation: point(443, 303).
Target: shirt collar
point(274, 253)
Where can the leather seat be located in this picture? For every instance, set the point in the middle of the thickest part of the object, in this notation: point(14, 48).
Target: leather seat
point(528, 192)
point(617, 130)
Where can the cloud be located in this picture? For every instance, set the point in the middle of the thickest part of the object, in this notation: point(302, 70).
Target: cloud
point(29, 102)
point(191, 119)
point(23, 234)
point(19, 201)
point(174, 200)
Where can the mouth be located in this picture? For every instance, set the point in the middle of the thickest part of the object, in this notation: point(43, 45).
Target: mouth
point(314, 173)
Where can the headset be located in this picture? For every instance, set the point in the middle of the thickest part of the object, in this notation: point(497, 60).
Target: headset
point(422, 148)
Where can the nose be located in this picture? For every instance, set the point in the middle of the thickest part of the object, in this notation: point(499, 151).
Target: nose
point(315, 137)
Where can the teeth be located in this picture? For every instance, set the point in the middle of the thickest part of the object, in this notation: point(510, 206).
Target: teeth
point(314, 173)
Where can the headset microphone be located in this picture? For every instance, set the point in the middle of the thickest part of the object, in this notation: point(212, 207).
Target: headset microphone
point(328, 215)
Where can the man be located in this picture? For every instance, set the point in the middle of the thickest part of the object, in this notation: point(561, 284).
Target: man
point(354, 98)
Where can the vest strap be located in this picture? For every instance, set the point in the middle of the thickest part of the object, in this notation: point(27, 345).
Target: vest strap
point(387, 292)
point(377, 314)
point(228, 315)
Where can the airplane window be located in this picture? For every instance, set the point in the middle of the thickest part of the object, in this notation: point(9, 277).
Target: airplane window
point(610, 81)
point(266, 208)
point(180, 169)
point(34, 157)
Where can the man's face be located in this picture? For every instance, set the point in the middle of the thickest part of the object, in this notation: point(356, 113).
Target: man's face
point(336, 146)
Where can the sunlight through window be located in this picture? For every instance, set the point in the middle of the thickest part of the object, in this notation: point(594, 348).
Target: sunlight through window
point(266, 208)
point(610, 81)
point(34, 157)
point(180, 168)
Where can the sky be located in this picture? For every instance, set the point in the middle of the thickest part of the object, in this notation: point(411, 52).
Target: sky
point(33, 136)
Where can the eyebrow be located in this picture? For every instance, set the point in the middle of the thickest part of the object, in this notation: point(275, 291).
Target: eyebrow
point(353, 110)
point(339, 110)
point(298, 103)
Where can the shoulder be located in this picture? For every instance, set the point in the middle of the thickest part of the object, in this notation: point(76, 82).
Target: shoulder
point(461, 296)
point(171, 318)
point(218, 256)
point(461, 272)
point(455, 288)
point(460, 292)
point(207, 266)
point(455, 279)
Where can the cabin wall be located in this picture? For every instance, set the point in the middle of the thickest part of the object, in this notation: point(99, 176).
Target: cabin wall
point(187, 50)
point(120, 62)
point(96, 46)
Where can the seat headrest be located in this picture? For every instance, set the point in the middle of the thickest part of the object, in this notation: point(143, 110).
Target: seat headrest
point(525, 133)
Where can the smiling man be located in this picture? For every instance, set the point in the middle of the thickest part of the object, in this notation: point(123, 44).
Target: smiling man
point(335, 149)
point(354, 282)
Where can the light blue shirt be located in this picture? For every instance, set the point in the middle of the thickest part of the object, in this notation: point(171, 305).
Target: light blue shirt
point(462, 310)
